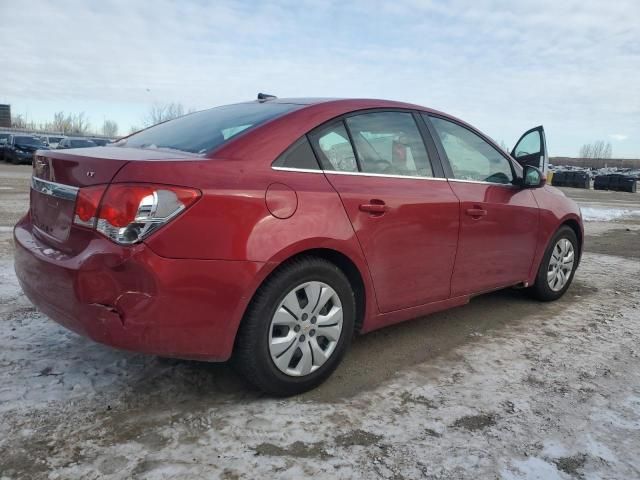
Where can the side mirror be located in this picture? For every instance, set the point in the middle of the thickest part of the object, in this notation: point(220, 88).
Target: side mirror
point(532, 177)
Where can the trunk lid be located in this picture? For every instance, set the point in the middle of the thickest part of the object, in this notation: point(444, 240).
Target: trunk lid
point(58, 174)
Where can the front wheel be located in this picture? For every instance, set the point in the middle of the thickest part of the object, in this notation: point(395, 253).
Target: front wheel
point(297, 327)
point(558, 266)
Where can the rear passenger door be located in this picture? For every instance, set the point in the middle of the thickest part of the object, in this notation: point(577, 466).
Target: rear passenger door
point(403, 211)
point(498, 220)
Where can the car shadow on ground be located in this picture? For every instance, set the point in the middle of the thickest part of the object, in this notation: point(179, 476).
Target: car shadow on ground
point(372, 359)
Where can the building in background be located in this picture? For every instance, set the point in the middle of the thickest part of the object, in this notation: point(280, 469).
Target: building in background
point(5, 115)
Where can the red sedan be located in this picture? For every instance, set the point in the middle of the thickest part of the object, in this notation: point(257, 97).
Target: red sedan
point(271, 232)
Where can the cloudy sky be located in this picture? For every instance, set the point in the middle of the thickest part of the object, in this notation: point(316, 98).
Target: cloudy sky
point(504, 66)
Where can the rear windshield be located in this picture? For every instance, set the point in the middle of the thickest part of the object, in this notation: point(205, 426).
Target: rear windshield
point(82, 143)
point(201, 132)
point(28, 141)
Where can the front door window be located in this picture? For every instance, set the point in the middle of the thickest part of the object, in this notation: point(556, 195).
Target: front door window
point(470, 156)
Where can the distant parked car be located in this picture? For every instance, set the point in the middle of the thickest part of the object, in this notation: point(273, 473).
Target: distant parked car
point(75, 142)
point(20, 148)
point(52, 141)
point(101, 142)
point(4, 139)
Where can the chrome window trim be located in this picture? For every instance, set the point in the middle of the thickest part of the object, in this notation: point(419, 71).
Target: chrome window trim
point(361, 174)
point(384, 175)
point(53, 189)
point(293, 169)
point(508, 185)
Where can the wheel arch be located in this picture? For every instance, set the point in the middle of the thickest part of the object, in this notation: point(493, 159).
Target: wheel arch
point(349, 268)
point(576, 226)
point(340, 260)
point(549, 227)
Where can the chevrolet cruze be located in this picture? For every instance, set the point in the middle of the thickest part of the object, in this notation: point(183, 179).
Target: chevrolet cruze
point(271, 232)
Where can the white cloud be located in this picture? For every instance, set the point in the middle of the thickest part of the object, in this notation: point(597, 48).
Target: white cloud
point(618, 136)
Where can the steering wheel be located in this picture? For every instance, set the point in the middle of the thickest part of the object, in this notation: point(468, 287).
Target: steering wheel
point(498, 177)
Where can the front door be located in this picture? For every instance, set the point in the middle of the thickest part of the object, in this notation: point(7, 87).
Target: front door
point(498, 220)
point(405, 218)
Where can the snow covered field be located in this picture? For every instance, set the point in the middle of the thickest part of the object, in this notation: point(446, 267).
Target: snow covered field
point(554, 395)
point(604, 214)
point(504, 387)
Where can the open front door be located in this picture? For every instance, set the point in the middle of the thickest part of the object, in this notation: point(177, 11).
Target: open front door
point(531, 149)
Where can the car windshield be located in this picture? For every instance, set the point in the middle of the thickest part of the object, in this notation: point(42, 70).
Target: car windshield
point(82, 143)
point(24, 140)
point(54, 139)
point(201, 132)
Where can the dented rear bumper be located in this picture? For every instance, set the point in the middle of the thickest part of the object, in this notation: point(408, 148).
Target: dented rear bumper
point(134, 299)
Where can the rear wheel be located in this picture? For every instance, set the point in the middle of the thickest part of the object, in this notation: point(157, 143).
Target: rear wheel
point(557, 267)
point(297, 328)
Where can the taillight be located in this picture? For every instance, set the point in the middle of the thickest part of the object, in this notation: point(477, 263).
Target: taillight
point(129, 212)
point(87, 204)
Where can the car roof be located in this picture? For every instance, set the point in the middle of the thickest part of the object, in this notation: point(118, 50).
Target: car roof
point(297, 101)
point(282, 131)
point(351, 102)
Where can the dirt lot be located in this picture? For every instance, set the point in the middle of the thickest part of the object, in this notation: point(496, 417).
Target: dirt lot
point(504, 387)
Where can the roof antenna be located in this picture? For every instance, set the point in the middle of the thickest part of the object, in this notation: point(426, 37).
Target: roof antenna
point(265, 96)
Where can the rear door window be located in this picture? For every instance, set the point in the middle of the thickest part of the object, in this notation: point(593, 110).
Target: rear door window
point(389, 143)
point(334, 148)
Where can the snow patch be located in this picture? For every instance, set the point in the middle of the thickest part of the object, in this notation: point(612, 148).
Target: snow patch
point(594, 214)
point(531, 469)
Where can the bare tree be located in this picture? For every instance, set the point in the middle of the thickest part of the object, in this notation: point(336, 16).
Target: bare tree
point(110, 128)
point(79, 124)
point(61, 123)
point(69, 124)
point(18, 122)
point(598, 150)
point(160, 112)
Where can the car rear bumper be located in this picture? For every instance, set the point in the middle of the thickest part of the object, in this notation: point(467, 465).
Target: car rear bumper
point(133, 299)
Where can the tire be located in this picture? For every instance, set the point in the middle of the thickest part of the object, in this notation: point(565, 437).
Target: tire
point(257, 346)
point(542, 289)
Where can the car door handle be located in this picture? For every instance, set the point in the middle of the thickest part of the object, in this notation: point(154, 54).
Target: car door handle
point(377, 207)
point(476, 212)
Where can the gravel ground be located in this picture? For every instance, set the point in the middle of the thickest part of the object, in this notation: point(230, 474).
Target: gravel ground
point(504, 387)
